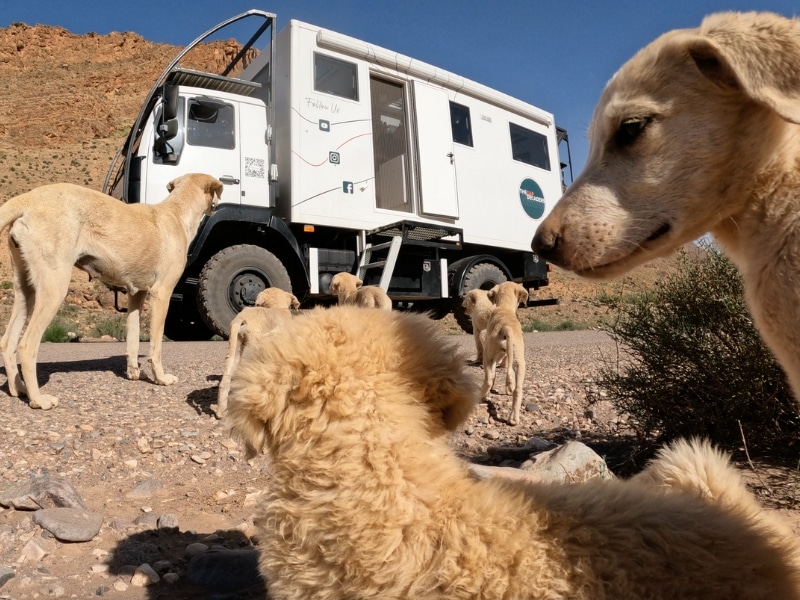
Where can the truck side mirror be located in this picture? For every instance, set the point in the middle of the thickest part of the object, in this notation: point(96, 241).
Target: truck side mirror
point(165, 132)
point(170, 99)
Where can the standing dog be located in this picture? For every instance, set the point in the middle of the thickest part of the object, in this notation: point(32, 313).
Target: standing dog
point(140, 248)
point(698, 132)
point(504, 341)
point(273, 307)
point(367, 499)
point(478, 308)
point(348, 288)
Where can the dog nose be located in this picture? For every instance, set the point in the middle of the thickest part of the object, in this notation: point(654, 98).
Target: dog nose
point(547, 244)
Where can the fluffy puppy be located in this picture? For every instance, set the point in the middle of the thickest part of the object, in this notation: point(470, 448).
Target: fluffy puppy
point(348, 288)
point(272, 308)
point(367, 499)
point(504, 341)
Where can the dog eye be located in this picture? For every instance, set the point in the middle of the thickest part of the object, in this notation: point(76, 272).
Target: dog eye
point(630, 130)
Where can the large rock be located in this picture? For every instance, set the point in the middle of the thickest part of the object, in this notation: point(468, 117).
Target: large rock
point(69, 524)
point(572, 462)
point(41, 491)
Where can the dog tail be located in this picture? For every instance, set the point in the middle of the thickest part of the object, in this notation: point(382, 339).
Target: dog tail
point(696, 467)
point(13, 208)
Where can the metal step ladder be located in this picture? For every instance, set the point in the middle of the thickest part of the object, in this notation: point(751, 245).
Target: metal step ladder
point(383, 255)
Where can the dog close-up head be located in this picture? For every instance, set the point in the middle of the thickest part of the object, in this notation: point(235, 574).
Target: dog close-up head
point(344, 283)
point(676, 142)
point(472, 299)
point(338, 369)
point(211, 186)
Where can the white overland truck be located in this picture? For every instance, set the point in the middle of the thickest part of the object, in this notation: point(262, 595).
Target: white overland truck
point(338, 155)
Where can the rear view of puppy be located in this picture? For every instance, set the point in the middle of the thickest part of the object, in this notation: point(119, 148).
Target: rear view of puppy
point(272, 308)
point(350, 290)
point(504, 340)
point(479, 308)
point(367, 499)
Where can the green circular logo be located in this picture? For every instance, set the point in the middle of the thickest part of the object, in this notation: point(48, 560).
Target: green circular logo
point(532, 198)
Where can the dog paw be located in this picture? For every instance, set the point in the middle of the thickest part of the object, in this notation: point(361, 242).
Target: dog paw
point(44, 402)
point(134, 373)
point(18, 387)
point(167, 379)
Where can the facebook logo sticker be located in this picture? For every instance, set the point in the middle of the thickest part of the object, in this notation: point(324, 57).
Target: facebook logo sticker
point(347, 187)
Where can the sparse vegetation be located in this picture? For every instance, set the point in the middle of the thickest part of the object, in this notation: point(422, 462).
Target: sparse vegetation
point(692, 363)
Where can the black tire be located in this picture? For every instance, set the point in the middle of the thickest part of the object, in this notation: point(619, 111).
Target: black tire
point(483, 276)
point(231, 280)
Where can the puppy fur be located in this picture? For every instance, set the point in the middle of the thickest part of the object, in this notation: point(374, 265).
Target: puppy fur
point(699, 132)
point(504, 341)
point(140, 248)
point(273, 307)
point(366, 498)
point(350, 290)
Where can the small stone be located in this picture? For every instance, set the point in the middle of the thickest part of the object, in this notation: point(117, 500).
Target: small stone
point(171, 577)
point(198, 459)
point(167, 521)
point(144, 576)
point(34, 550)
point(120, 585)
point(6, 573)
point(196, 548)
point(100, 568)
point(145, 489)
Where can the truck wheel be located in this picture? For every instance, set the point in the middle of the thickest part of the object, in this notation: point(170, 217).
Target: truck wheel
point(231, 280)
point(483, 276)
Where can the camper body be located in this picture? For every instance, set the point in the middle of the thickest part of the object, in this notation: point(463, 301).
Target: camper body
point(338, 155)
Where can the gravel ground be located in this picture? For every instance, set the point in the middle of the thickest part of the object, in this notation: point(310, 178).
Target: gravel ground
point(136, 452)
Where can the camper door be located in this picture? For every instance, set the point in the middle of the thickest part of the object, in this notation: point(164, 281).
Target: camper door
point(437, 174)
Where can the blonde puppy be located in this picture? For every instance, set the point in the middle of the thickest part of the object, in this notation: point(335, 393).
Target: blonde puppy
point(348, 288)
point(367, 499)
point(479, 308)
point(504, 341)
point(272, 308)
point(699, 132)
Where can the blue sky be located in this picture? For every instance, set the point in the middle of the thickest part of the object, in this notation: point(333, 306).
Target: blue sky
point(556, 54)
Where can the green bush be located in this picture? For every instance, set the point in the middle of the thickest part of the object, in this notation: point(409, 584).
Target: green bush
point(692, 362)
point(57, 332)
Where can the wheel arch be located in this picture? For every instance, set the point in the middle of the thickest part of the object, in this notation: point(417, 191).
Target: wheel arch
point(458, 271)
point(231, 225)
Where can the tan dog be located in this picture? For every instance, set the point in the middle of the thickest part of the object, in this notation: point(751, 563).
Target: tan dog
point(504, 342)
point(273, 307)
point(479, 308)
point(140, 248)
point(700, 131)
point(367, 499)
point(348, 288)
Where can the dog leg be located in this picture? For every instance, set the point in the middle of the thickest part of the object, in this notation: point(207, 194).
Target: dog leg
point(135, 302)
point(519, 375)
point(23, 298)
point(489, 373)
point(44, 308)
point(478, 345)
point(234, 353)
point(159, 304)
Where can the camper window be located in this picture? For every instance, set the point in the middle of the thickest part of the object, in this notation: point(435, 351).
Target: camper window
point(210, 123)
point(529, 147)
point(461, 125)
point(334, 76)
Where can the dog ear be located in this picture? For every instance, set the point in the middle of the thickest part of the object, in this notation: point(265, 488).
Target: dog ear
point(359, 283)
point(214, 186)
point(171, 185)
point(751, 53)
point(492, 293)
point(522, 295)
point(295, 302)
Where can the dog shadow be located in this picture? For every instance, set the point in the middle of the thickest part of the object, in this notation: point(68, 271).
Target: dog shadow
point(44, 370)
point(203, 400)
point(227, 570)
